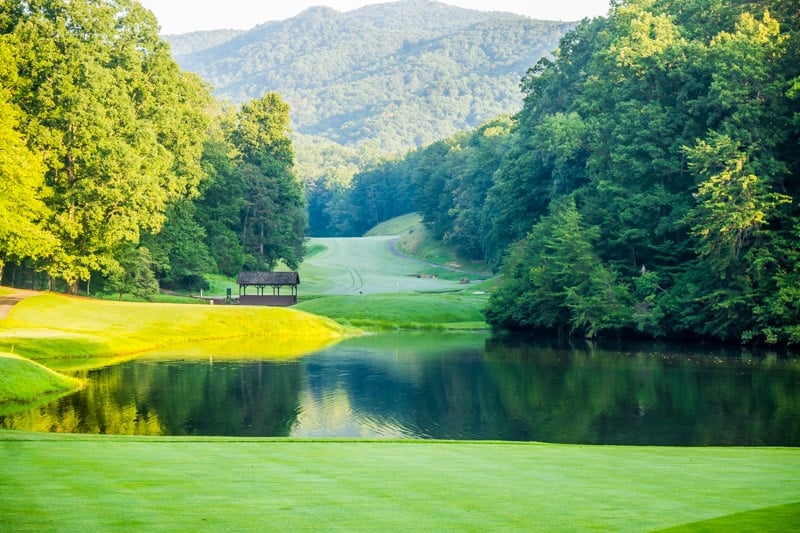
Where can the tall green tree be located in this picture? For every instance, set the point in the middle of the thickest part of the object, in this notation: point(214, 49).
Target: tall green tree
point(23, 213)
point(559, 282)
point(220, 204)
point(274, 217)
point(119, 125)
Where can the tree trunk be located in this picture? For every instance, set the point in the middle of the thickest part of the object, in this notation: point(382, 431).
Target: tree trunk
point(72, 287)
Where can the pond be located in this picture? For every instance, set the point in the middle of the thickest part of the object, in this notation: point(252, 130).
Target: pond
point(444, 386)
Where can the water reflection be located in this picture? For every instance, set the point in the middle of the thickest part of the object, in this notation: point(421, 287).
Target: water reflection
point(449, 386)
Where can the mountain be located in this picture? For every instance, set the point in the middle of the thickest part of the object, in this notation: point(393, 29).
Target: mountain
point(397, 75)
point(197, 41)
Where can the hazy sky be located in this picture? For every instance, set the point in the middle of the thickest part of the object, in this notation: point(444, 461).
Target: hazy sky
point(182, 16)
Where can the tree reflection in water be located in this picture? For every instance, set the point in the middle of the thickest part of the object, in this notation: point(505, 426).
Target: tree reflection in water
point(448, 386)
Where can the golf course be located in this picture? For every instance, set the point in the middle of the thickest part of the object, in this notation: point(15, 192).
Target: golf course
point(79, 482)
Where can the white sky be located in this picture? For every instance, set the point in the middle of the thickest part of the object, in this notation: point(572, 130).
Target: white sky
point(183, 16)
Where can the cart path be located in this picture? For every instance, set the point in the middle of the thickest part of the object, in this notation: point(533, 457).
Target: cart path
point(7, 301)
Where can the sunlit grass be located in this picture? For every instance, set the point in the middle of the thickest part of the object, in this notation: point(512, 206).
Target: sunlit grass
point(52, 326)
point(98, 483)
point(240, 349)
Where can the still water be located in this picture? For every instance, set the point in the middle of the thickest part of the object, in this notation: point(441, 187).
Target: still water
point(445, 386)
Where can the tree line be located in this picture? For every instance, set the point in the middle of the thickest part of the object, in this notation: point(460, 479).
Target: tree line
point(118, 167)
point(649, 186)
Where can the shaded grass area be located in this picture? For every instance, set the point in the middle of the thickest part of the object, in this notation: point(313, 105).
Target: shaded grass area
point(163, 298)
point(403, 311)
point(417, 241)
point(24, 381)
point(97, 483)
point(777, 519)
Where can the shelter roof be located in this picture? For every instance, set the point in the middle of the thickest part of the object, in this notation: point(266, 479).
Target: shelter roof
point(268, 278)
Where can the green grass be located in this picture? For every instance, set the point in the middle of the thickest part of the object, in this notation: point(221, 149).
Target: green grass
point(418, 242)
point(402, 311)
point(23, 382)
point(218, 284)
point(780, 518)
point(366, 265)
point(314, 249)
point(95, 483)
point(51, 326)
point(396, 226)
point(159, 298)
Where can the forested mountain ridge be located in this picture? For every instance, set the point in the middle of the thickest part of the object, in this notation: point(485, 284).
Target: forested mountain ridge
point(196, 41)
point(400, 75)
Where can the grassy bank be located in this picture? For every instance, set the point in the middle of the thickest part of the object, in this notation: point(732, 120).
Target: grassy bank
point(71, 333)
point(24, 381)
point(51, 326)
point(416, 240)
point(92, 483)
point(403, 311)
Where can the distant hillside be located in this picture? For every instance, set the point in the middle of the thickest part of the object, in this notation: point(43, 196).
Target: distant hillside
point(400, 74)
point(197, 41)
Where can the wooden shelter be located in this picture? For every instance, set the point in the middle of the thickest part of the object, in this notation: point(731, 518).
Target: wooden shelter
point(261, 281)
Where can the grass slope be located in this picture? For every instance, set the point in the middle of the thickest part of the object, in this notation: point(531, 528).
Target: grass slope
point(417, 241)
point(396, 226)
point(94, 483)
point(366, 282)
point(50, 326)
point(24, 381)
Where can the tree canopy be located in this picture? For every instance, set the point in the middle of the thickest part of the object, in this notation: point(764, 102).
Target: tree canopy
point(119, 125)
point(649, 185)
point(115, 162)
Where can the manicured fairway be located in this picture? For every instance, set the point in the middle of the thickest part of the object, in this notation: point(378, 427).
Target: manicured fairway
point(93, 483)
point(365, 265)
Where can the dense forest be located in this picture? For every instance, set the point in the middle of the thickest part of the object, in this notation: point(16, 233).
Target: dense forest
point(649, 186)
point(117, 166)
